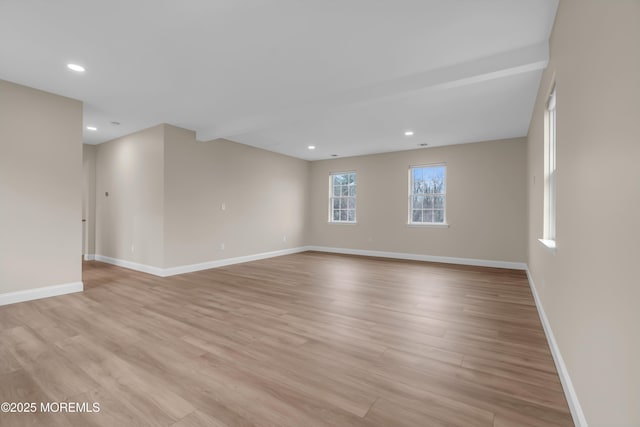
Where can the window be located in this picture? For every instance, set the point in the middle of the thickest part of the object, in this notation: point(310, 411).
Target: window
point(550, 171)
point(342, 197)
point(427, 194)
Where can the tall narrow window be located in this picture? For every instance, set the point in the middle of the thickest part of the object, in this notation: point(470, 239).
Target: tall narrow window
point(550, 171)
point(342, 197)
point(427, 194)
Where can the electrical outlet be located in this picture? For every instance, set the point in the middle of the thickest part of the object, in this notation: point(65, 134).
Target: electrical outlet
point(222, 246)
point(284, 238)
point(131, 248)
point(223, 206)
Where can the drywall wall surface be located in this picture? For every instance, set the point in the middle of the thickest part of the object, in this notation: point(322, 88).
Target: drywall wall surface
point(225, 200)
point(89, 199)
point(130, 197)
point(40, 189)
point(485, 202)
point(589, 286)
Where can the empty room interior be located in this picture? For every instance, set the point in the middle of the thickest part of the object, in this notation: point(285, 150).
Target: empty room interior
point(285, 213)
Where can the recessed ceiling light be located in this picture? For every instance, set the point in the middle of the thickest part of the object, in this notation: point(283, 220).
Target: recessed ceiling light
point(115, 123)
point(311, 147)
point(76, 67)
point(92, 128)
point(408, 133)
point(334, 155)
point(424, 144)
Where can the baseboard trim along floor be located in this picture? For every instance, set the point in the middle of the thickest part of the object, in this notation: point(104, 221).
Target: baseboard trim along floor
point(572, 398)
point(172, 271)
point(43, 292)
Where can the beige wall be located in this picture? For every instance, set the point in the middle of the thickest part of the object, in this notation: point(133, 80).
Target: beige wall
point(486, 203)
point(40, 189)
point(589, 288)
point(264, 195)
point(129, 222)
point(89, 198)
point(166, 191)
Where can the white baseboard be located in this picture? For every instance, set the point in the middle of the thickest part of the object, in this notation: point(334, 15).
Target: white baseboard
point(156, 271)
point(419, 257)
point(172, 271)
point(37, 293)
point(181, 269)
point(89, 257)
point(570, 392)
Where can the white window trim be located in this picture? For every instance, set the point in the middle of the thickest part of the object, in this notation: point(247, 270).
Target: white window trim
point(330, 219)
point(410, 222)
point(549, 244)
point(428, 225)
point(550, 172)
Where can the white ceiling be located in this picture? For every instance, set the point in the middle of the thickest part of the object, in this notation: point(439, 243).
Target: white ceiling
point(347, 76)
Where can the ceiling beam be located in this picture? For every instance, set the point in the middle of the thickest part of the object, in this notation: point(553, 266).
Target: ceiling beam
point(511, 63)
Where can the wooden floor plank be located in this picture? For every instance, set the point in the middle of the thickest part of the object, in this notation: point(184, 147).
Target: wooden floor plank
point(307, 339)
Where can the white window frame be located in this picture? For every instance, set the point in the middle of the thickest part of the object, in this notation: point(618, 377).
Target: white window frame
point(340, 197)
point(550, 171)
point(410, 220)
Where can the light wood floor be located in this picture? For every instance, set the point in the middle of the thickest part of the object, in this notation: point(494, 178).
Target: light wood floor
point(302, 340)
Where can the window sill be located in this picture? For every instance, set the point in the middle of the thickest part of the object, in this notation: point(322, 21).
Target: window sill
point(429, 225)
point(342, 222)
point(550, 245)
